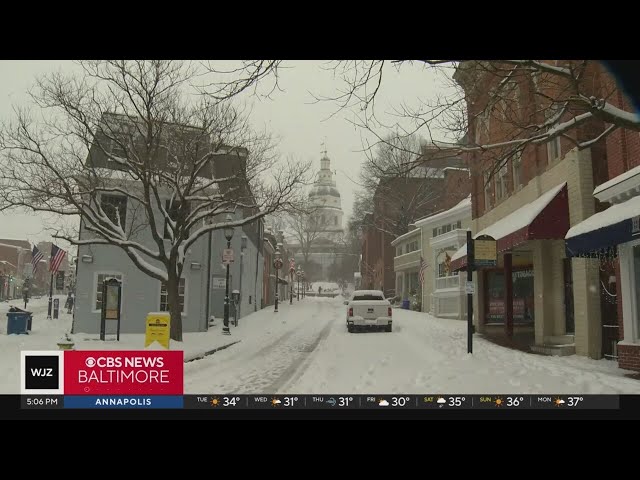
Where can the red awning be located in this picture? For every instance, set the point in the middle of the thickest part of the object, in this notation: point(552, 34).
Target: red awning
point(546, 218)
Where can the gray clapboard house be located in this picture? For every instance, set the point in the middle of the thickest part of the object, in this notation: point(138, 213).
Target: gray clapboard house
point(142, 294)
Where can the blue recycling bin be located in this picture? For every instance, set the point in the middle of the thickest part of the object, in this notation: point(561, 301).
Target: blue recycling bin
point(18, 322)
point(406, 304)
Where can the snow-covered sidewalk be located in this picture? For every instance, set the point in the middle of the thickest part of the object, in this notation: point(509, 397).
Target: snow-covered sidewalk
point(46, 333)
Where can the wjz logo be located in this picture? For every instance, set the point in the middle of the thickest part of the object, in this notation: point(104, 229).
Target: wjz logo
point(42, 372)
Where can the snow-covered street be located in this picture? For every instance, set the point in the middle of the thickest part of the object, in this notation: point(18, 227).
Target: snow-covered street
point(306, 349)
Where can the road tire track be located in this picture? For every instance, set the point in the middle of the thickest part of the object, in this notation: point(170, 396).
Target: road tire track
point(296, 368)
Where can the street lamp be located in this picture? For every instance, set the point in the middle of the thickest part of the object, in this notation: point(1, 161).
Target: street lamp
point(228, 234)
point(298, 275)
point(292, 270)
point(277, 264)
point(304, 288)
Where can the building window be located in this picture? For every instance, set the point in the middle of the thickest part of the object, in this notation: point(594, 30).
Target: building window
point(164, 296)
point(553, 149)
point(482, 126)
point(487, 190)
point(174, 211)
point(116, 149)
point(553, 146)
point(115, 206)
point(516, 167)
point(459, 224)
point(100, 278)
point(501, 183)
point(335, 220)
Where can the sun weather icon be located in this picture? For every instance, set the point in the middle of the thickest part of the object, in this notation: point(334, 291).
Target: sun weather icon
point(499, 401)
point(275, 402)
point(215, 401)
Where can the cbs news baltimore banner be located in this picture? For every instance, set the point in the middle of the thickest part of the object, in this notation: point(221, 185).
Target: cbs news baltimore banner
point(106, 379)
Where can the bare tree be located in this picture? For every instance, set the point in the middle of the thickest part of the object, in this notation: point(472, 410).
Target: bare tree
point(144, 166)
point(307, 226)
point(536, 102)
point(404, 186)
point(540, 99)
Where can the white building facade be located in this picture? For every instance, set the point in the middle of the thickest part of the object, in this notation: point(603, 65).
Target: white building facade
point(443, 293)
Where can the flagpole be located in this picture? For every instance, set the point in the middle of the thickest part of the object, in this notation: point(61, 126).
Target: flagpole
point(50, 297)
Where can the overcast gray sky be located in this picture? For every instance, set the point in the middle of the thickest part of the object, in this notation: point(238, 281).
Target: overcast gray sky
point(300, 124)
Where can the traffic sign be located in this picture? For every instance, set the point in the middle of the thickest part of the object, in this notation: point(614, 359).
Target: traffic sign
point(227, 256)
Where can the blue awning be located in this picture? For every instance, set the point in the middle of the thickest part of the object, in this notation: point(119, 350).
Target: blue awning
point(602, 232)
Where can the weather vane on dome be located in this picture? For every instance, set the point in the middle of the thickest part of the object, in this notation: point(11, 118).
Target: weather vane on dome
point(324, 147)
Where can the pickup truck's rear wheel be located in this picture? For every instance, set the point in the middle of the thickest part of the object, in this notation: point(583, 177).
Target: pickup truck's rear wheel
point(349, 329)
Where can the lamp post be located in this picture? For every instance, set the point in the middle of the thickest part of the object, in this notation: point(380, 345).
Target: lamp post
point(277, 264)
point(228, 234)
point(292, 270)
point(304, 288)
point(298, 276)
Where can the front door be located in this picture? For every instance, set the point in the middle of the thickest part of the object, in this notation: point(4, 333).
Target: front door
point(609, 310)
point(570, 325)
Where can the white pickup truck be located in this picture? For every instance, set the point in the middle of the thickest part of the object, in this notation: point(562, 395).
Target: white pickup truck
point(367, 309)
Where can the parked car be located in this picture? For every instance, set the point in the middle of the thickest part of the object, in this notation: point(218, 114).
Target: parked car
point(368, 309)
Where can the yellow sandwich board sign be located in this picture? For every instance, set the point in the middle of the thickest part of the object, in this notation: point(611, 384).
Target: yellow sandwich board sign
point(157, 330)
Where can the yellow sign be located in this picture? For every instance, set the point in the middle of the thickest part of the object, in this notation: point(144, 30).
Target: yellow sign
point(485, 250)
point(158, 329)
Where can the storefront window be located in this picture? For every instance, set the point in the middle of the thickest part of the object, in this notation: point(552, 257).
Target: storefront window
point(523, 305)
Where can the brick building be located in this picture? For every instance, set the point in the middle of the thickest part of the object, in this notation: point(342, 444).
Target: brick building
point(613, 236)
point(534, 295)
point(397, 203)
point(436, 237)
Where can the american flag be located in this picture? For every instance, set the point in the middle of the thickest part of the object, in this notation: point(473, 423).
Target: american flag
point(36, 256)
point(57, 254)
point(423, 267)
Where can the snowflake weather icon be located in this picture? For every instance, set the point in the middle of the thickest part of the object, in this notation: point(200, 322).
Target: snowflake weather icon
point(90, 362)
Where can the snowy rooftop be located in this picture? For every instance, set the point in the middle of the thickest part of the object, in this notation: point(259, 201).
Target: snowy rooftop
point(405, 236)
point(462, 207)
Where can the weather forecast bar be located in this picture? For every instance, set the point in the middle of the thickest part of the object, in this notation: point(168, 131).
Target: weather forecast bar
point(325, 402)
point(425, 401)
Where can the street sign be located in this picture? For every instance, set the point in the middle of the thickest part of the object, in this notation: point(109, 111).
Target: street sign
point(469, 288)
point(277, 263)
point(227, 256)
point(157, 330)
point(60, 280)
point(219, 283)
point(484, 251)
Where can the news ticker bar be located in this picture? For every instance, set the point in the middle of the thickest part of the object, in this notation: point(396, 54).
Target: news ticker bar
point(325, 402)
